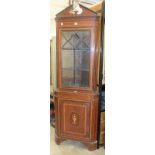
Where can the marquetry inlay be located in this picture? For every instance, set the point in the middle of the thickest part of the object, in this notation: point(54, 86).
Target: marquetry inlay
point(74, 119)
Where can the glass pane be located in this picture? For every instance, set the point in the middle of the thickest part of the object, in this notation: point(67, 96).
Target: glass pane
point(82, 59)
point(67, 67)
point(75, 58)
point(68, 77)
point(82, 78)
point(68, 59)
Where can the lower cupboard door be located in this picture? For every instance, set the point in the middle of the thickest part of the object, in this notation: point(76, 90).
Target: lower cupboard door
point(75, 119)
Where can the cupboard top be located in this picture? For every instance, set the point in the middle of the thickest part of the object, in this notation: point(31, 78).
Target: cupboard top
point(68, 13)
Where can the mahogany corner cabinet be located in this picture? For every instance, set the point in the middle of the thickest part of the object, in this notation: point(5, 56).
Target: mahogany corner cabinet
point(76, 97)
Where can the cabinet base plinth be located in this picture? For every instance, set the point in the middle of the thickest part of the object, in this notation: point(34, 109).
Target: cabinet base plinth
point(57, 140)
point(90, 145)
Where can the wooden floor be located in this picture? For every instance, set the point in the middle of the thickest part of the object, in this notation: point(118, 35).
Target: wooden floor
point(71, 148)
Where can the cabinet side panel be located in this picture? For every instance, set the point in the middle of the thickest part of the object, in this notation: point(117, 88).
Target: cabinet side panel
point(56, 116)
point(94, 118)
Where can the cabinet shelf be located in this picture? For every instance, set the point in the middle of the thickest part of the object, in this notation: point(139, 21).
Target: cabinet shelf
point(76, 69)
point(84, 49)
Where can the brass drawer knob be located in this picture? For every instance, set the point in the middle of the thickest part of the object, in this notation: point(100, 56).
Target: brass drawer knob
point(75, 23)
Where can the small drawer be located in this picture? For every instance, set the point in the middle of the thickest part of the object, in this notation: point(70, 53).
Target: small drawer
point(75, 23)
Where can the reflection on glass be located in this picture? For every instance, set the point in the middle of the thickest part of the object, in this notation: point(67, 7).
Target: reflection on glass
point(75, 50)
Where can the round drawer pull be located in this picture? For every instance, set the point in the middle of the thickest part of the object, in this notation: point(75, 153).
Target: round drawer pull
point(62, 23)
point(75, 23)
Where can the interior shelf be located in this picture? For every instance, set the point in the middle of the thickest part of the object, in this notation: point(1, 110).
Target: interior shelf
point(76, 69)
point(84, 49)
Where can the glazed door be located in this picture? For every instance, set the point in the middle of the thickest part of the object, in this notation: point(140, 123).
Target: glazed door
point(75, 52)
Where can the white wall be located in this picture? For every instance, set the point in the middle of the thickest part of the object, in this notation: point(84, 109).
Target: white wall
point(56, 7)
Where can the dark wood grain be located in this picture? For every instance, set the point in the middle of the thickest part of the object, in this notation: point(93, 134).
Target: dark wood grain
point(76, 108)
